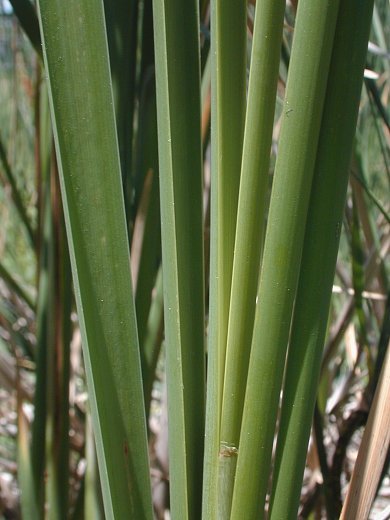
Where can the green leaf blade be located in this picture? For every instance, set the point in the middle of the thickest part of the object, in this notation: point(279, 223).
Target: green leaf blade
point(228, 102)
point(76, 58)
point(266, 46)
point(180, 161)
point(303, 104)
point(319, 253)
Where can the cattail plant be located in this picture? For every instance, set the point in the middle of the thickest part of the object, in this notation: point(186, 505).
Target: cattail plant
point(192, 181)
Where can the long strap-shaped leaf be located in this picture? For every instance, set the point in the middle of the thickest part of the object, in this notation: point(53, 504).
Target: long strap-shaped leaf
point(76, 58)
point(228, 79)
point(320, 252)
point(305, 92)
point(267, 39)
point(228, 86)
point(176, 26)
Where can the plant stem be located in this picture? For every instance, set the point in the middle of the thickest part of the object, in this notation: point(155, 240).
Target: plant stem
point(303, 105)
point(264, 69)
point(228, 92)
point(320, 252)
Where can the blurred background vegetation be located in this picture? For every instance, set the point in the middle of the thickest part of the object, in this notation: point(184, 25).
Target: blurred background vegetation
point(44, 401)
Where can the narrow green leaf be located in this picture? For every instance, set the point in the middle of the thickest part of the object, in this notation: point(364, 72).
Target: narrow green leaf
point(305, 92)
point(229, 81)
point(228, 92)
point(76, 59)
point(320, 252)
point(153, 339)
point(267, 38)
point(176, 26)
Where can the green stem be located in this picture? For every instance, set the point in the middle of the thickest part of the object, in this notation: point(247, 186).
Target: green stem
point(305, 92)
point(264, 69)
point(228, 92)
point(320, 251)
